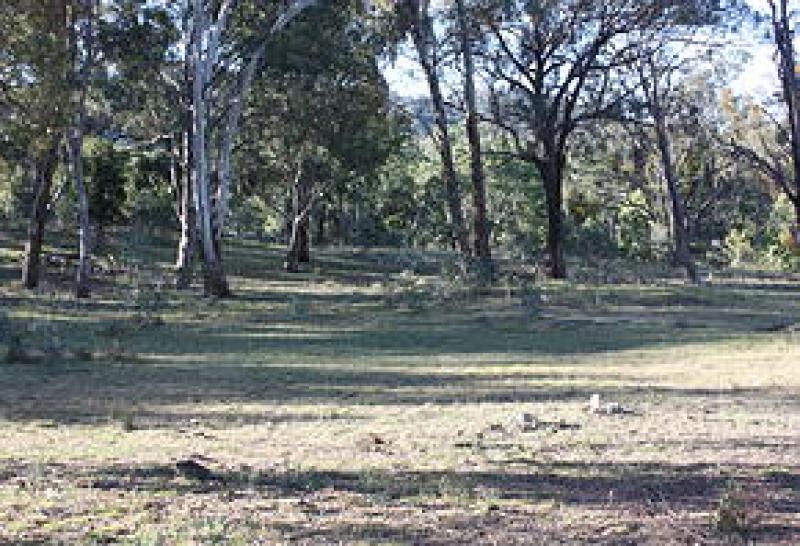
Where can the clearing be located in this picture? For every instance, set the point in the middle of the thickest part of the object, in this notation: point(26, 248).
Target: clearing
point(371, 400)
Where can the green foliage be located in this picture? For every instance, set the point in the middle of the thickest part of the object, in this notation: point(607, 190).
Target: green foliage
point(150, 201)
point(516, 204)
point(634, 219)
point(737, 247)
point(105, 169)
point(592, 238)
point(782, 249)
point(15, 192)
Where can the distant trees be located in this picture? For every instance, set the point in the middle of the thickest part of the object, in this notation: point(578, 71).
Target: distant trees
point(568, 122)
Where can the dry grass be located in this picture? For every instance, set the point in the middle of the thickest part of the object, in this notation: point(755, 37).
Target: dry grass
point(356, 404)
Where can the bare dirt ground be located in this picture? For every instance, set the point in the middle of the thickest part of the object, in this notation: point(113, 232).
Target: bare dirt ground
point(349, 405)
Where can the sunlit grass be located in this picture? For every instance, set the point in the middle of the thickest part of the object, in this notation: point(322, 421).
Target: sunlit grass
point(349, 404)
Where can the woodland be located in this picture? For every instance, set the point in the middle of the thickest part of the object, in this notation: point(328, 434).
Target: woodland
point(399, 272)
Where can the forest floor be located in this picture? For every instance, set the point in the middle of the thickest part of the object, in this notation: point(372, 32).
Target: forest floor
point(370, 400)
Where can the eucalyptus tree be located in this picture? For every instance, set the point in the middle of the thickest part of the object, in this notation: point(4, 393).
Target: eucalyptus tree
point(81, 43)
point(222, 68)
point(36, 98)
point(558, 66)
point(321, 82)
point(415, 18)
point(656, 77)
point(477, 171)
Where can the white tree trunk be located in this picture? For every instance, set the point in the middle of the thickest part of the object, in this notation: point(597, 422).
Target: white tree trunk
point(205, 48)
point(75, 145)
point(233, 119)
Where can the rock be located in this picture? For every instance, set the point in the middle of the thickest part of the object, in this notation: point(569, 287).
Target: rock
point(527, 422)
point(607, 408)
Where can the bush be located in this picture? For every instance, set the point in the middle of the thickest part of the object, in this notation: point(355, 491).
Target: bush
point(737, 247)
point(592, 238)
point(635, 225)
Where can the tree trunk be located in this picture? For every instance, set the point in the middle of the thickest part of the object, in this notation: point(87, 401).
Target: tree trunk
point(796, 230)
point(304, 227)
point(45, 169)
point(321, 219)
point(683, 255)
point(552, 172)
point(183, 264)
point(424, 42)
point(480, 219)
point(75, 145)
point(650, 82)
point(790, 85)
point(186, 218)
point(300, 222)
point(292, 263)
point(214, 280)
point(639, 176)
point(81, 79)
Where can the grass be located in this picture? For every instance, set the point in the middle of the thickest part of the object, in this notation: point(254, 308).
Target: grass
point(369, 400)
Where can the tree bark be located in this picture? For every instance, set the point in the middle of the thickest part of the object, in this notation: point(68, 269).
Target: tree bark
point(424, 39)
point(480, 218)
point(214, 281)
point(680, 235)
point(790, 84)
point(82, 72)
point(75, 146)
point(183, 266)
point(298, 251)
point(44, 171)
point(186, 218)
point(683, 255)
point(321, 219)
point(552, 173)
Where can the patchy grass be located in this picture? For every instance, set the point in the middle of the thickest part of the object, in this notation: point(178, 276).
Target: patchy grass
point(370, 400)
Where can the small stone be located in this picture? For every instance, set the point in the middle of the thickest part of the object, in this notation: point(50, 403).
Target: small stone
point(527, 422)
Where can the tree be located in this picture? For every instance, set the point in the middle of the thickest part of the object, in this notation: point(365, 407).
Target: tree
point(215, 59)
point(655, 78)
point(81, 37)
point(321, 82)
point(776, 152)
point(480, 219)
point(416, 18)
point(556, 65)
point(34, 98)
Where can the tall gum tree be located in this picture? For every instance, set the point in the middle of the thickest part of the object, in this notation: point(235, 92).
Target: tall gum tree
point(216, 59)
point(480, 221)
point(556, 66)
point(416, 16)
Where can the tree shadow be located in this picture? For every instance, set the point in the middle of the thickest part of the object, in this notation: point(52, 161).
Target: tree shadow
point(648, 492)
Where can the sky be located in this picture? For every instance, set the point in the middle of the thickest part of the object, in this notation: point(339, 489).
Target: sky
point(757, 78)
